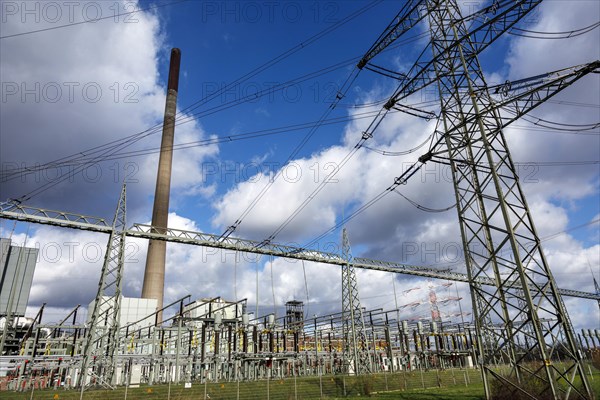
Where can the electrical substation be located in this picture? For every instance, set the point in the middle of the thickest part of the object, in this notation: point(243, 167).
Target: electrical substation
point(519, 330)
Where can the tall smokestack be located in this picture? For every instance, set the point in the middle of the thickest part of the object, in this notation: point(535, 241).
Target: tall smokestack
point(154, 275)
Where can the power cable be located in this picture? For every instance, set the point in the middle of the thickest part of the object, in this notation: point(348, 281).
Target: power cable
point(446, 161)
point(127, 141)
point(300, 46)
point(114, 16)
point(553, 35)
point(401, 180)
point(532, 119)
point(573, 103)
point(18, 172)
point(341, 94)
point(558, 163)
point(365, 136)
point(585, 132)
point(399, 153)
point(423, 208)
point(208, 98)
point(555, 235)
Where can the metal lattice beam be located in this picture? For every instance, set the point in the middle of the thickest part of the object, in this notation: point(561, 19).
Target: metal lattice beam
point(9, 211)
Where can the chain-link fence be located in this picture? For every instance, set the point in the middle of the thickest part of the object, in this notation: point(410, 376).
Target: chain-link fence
point(290, 388)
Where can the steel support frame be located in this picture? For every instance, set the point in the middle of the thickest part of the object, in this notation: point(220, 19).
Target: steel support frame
point(12, 211)
point(102, 339)
point(356, 349)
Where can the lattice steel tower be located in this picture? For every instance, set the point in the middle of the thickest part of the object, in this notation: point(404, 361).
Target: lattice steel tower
point(356, 351)
point(499, 236)
point(102, 338)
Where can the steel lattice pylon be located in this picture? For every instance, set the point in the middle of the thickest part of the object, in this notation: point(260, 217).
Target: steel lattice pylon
point(499, 237)
point(356, 352)
point(101, 342)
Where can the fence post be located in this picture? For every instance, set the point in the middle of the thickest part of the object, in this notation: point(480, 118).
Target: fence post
point(321, 384)
point(169, 377)
point(205, 382)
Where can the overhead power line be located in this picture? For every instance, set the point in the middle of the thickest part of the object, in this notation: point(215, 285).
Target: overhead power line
point(115, 145)
point(18, 172)
point(87, 21)
point(553, 35)
point(80, 157)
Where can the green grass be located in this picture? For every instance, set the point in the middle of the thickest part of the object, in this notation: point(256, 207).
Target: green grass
point(473, 392)
point(407, 386)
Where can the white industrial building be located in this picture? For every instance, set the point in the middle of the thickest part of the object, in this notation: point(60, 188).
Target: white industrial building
point(139, 312)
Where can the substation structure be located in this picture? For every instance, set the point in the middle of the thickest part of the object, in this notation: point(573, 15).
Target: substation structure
point(215, 340)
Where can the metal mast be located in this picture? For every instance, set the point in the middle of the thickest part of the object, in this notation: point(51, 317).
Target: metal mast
point(356, 351)
point(499, 237)
point(101, 343)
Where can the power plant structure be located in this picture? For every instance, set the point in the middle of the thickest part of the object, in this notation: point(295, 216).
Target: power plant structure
point(18, 266)
point(520, 330)
point(154, 274)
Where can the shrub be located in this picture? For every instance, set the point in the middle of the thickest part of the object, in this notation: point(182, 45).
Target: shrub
point(502, 390)
point(595, 358)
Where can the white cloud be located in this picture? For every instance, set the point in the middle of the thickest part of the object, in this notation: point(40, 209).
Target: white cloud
point(70, 89)
point(392, 229)
point(395, 230)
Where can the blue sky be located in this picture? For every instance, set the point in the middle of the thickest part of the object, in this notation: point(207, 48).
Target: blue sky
point(127, 58)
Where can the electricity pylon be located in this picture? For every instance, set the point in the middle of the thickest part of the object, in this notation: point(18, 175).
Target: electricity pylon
point(499, 236)
point(356, 351)
point(102, 338)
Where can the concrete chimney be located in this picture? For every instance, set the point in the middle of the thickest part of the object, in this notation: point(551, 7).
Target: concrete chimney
point(154, 275)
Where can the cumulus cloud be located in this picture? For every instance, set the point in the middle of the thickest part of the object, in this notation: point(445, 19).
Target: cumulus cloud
point(392, 229)
point(68, 90)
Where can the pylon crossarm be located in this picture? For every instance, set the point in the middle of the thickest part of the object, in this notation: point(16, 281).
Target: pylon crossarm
point(423, 73)
point(411, 13)
point(515, 102)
